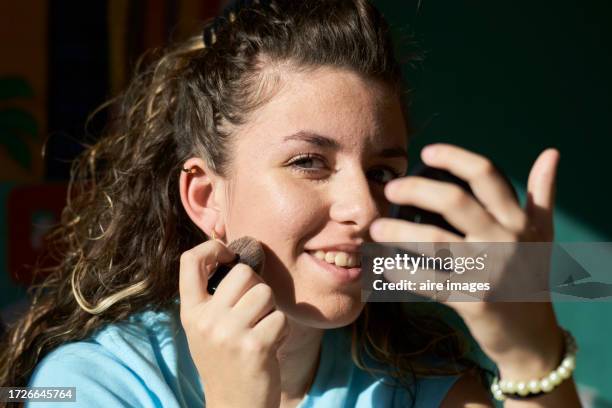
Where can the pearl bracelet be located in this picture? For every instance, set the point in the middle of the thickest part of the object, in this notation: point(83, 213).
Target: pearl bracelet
point(522, 389)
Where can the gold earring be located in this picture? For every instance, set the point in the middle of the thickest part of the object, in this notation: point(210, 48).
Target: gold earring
point(190, 171)
point(214, 236)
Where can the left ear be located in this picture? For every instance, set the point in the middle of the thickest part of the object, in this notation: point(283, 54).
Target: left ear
point(202, 196)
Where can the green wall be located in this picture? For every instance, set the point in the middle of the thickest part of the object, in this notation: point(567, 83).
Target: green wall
point(507, 79)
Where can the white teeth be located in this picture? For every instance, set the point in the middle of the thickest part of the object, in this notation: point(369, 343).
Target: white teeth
point(338, 258)
point(341, 259)
point(320, 255)
point(330, 257)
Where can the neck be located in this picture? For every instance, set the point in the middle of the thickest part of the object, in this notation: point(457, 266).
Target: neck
point(298, 359)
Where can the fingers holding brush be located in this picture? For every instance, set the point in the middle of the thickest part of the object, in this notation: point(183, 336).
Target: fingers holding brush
point(234, 333)
point(195, 266)
point(238, 281)
point(256, 303)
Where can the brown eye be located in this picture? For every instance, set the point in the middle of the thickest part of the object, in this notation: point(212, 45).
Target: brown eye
point(308, 163)
point(382, 175)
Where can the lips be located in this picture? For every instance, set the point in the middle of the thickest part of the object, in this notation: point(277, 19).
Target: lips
point(339, 274)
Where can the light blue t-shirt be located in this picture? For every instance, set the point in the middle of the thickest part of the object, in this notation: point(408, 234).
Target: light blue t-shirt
point(145, 362)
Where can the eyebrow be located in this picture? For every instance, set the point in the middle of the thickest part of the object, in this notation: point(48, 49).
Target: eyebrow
point(313, 138)
point(326, 142)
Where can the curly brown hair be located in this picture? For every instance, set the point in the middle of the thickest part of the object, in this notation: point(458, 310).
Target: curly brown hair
point(122, 232)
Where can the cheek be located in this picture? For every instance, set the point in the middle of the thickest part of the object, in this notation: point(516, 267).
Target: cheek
point(277, 211)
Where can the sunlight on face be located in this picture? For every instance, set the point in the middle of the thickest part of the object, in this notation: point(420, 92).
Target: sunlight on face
point(308, 172)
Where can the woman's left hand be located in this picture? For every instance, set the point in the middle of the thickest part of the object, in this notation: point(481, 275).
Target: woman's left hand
point(523, 339)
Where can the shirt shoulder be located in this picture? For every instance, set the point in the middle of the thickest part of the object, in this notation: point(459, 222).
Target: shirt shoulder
point(100, 380)
point(339, 382)
point(133, 363)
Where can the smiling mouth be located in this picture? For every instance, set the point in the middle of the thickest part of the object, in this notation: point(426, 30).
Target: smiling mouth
point(338, 258)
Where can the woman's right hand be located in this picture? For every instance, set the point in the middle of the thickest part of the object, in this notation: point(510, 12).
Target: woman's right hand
point(233, 335)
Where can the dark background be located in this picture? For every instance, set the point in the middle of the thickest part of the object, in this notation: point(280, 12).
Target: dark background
point(507, 79)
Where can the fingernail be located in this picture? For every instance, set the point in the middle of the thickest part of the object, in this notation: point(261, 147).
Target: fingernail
point(376, 229)
point(429, 152)
point(391, 187)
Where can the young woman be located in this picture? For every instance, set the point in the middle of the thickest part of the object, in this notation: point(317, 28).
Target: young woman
point(283, 122)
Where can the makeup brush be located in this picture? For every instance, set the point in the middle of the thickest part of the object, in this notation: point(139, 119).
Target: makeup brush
point(248, 251)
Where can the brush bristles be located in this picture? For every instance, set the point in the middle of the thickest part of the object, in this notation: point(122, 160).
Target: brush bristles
point(250, 252)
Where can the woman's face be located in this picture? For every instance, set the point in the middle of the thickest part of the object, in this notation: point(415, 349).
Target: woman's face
point(307, 175)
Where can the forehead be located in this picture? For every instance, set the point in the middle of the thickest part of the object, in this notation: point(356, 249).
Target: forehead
point(337, 103)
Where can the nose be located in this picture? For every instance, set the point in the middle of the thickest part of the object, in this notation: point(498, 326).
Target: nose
point(353, 202)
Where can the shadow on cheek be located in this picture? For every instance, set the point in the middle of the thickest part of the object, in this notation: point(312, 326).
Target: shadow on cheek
point(277, 275)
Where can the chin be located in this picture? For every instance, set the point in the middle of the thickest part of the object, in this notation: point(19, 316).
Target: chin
point(330, 312)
